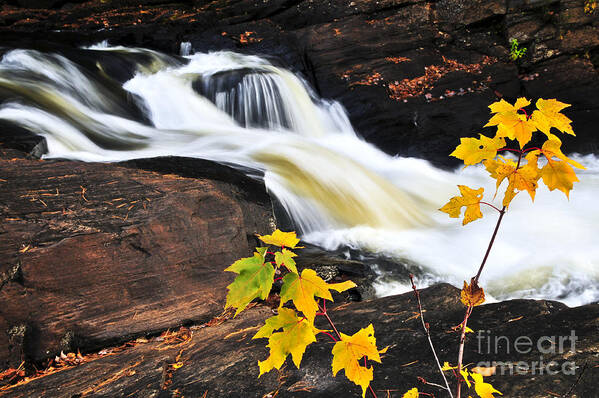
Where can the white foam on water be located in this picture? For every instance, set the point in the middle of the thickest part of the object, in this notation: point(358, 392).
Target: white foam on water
point(340, 190)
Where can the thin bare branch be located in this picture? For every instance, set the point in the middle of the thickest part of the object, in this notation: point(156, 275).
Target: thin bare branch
point(428, 336)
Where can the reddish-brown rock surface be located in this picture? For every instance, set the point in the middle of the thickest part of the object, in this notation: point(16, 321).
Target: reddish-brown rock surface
point(94, 253)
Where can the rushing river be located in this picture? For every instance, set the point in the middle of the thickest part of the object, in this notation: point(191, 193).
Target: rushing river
point(339, 190)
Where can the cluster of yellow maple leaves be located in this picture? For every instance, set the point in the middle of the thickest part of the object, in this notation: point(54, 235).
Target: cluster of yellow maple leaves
point(292, 330)
point(514, 123)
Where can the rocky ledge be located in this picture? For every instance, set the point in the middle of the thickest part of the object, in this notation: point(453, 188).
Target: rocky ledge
point(93, 254)
point(219, 358)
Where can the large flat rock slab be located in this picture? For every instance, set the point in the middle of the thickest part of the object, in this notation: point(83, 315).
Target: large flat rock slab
point(92, 254)
point(221, 360)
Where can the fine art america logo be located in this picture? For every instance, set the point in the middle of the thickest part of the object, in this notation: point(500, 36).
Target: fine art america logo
point(545, 346)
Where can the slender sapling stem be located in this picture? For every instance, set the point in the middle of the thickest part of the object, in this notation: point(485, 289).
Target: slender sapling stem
point(428, 335)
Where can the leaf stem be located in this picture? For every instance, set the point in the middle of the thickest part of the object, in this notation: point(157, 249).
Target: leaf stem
point(324, 313)
point(330, 335)
point(489, 204)
point(532, 149)
point(524, 110)
point(372, 391)
point(509, 149)
point(428, 335)
point(369, 386)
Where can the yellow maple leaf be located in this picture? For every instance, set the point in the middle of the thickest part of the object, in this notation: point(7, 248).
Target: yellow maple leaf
point(303, 289)
point(280, 238)
point(464, 373)
point(559, 175)
point(548, 115)
point(484, 390)
point(522, 178)
point(348, 352)
point(254, 280)
point(413, 393)
point(285, 258)
point(503, 106)
point(475, 150)
point(552, 148)
point(510, 123)
point(472, 294)
point(469, 198)
point(297, 333)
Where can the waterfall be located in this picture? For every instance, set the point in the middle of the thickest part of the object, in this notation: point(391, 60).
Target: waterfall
point(339, 190)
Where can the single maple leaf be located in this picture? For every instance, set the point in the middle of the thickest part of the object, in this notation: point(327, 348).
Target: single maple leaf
point(280, 238)
point(484, 390)
point(510, 123)
point(413, 393)
point(285, 258)
point(304, 288)
point(548, 115)
point(254, 280)
point(347, 354)
point(296, 335)
point(522, 178)
point(475, 150)
point(552, 148)
point(502, 106)
point(469, 198)
point(559, 175)
point(472, 295)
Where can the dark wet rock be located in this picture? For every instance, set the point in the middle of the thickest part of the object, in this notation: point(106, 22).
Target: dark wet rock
point(221, 361)
point(93, 254)
point(19, 139)
point(335, 267)
point(414, 75)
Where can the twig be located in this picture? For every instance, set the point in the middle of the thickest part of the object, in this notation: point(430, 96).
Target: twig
point(461, 349)
point(577, 380)
point(436, 385)
point(428, 335)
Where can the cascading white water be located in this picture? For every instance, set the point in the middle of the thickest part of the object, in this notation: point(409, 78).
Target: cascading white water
point(338, 189)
